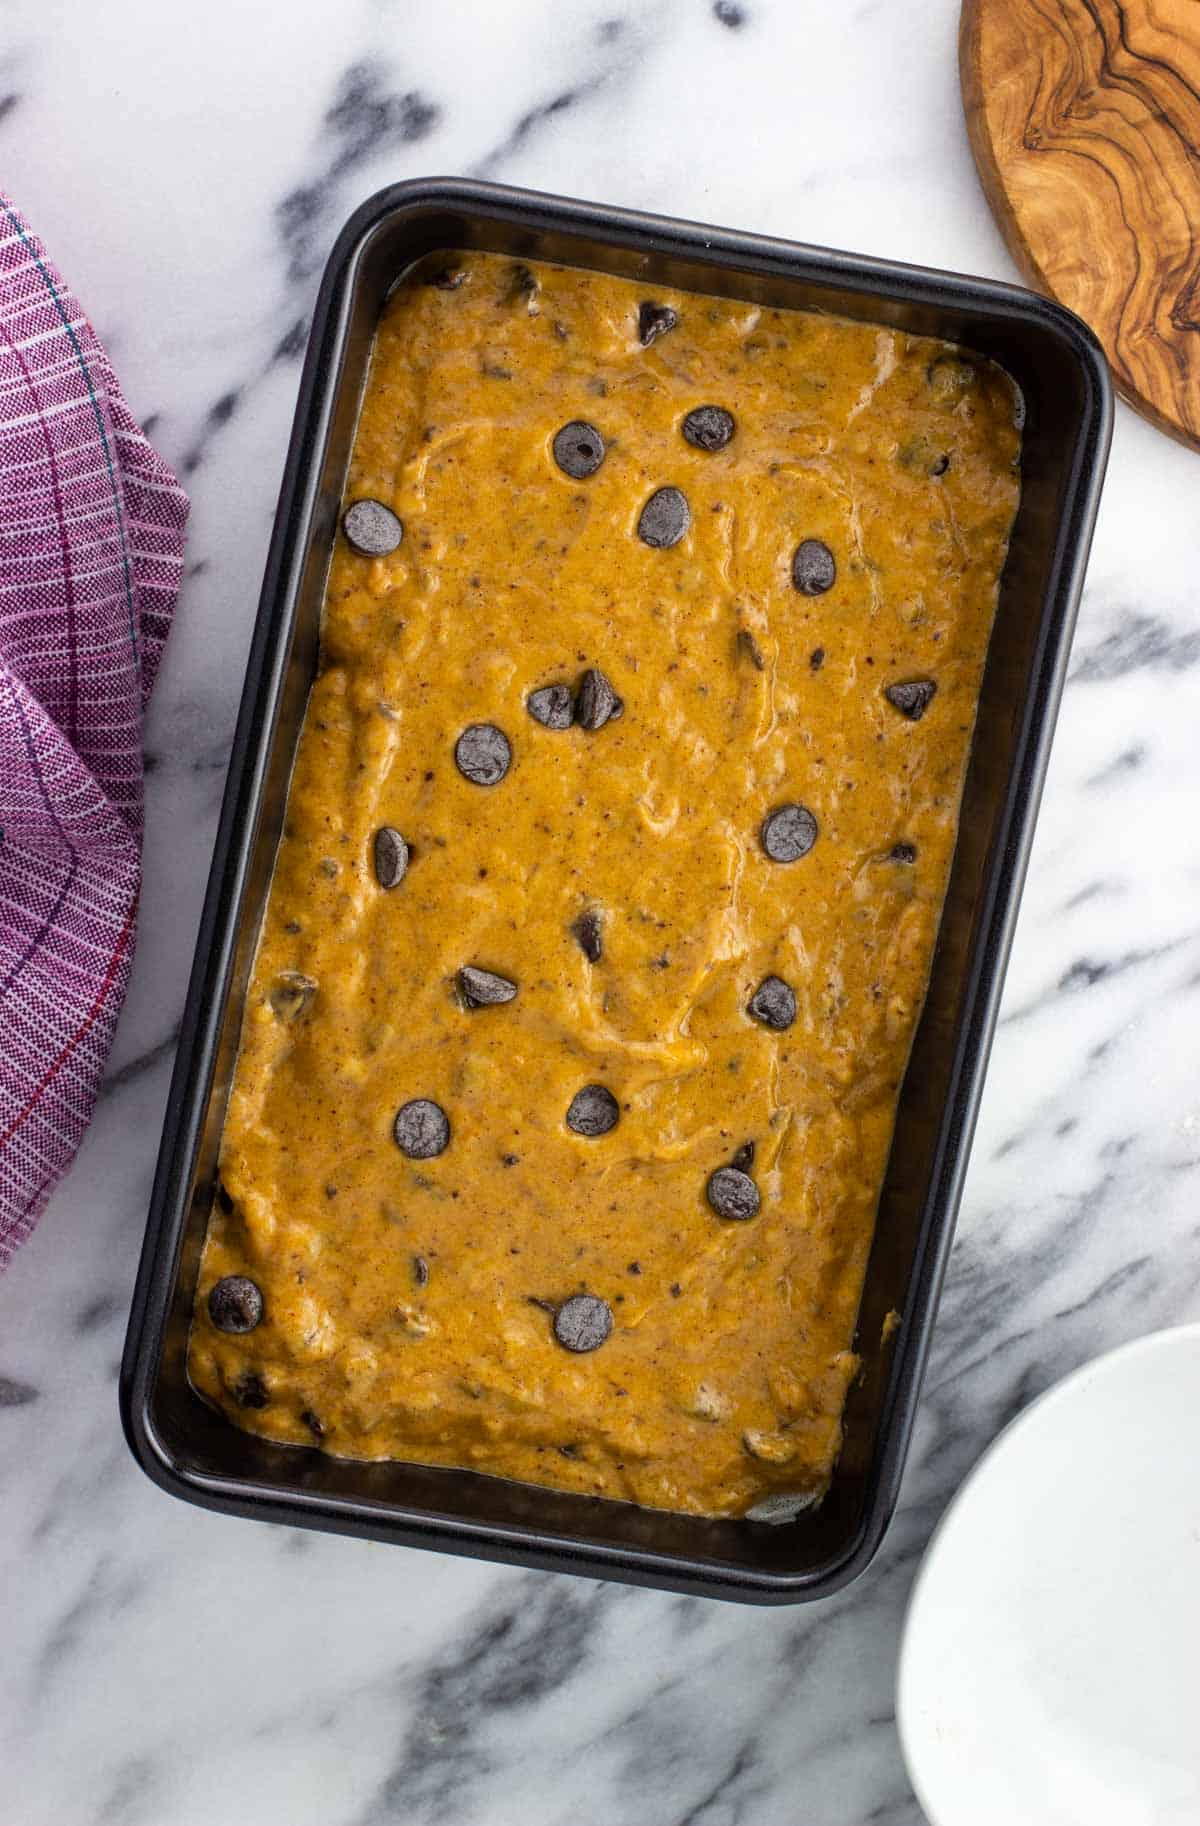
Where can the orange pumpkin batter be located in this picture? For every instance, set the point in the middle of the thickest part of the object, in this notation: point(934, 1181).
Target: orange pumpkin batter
point(409, 1305)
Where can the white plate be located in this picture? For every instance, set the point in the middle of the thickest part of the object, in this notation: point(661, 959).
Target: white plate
point(1050, 1668)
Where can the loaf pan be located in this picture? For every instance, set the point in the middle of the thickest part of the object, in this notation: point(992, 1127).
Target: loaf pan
point(189, 1448)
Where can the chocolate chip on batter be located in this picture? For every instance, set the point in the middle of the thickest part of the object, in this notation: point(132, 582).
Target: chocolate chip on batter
point(448, 278)
point(747, 644)
point(813, 568)
point(903, 852)
point(578, 449)
point(597, 701)
point(733, 1194)
point(654, 320)
point(816, 658)
point(525, 288)
point(912, 698)
point(315, 1426)
point(664, 519)
point(743, 1160)
point(482, 754)
point(372, 529)
point(291, 993)
point(774, 1003)
point(551, 706)
point(589, 935)
point(709, 427)
point(788, 833)
point(593, 1111)
point(583, 1322)
point(422, 1129)
point(391, 857)
point(939, 465)
point(235, 1304)
point(420, 1268)
point(483, 988)
point(250, 1391)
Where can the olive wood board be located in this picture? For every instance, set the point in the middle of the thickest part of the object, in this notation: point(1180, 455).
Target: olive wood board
point(1084, 119)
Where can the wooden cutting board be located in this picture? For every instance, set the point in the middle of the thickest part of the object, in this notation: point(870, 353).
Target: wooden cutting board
point(1084, 117)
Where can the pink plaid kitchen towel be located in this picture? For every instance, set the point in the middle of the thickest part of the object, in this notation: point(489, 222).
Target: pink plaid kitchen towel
point(91, 552)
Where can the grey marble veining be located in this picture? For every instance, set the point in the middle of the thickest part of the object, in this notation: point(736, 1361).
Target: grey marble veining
point(163, 1667)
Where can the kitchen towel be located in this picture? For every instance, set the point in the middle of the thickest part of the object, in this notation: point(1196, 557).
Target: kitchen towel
point(91, 553)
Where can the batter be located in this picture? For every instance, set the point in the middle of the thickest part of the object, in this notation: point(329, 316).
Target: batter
point(608, 887)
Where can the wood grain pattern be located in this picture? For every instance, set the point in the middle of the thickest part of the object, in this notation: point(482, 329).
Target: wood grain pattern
point(1084, 118)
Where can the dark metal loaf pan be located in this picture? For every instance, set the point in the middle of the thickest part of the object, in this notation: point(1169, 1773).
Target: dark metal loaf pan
point(189, 1448)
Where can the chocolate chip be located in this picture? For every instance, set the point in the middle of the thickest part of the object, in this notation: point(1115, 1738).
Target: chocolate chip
point(596, 702)
point(733, 1194)
point(743, 1160)
point(654, 320)
point(813, 568)
point(747, 644)
point(250, 1391)
point(593, 1111)
point(235, 1304)
point(291, 993)
point(912, 698)
point(583, 1322)
point(420, 1268)
point(709, 427)
point(482, 754)
point(525, 288)
point(372, 529)
point(589, 934)
point(939, 465)
point(578, 449)
point(422, 1129)
point(773, 1003)
point(391, 857)
point(816, 658)
point(483, 988)
point(314, 1426)
point(448, 278)
point(903, 852)
point(551, 706)
point(664, 519)
point(788, 833)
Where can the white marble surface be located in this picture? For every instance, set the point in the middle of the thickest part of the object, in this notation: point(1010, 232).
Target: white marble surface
point(188, 167)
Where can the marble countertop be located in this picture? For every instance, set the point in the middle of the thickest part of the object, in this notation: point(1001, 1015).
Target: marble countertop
point(159, 1666)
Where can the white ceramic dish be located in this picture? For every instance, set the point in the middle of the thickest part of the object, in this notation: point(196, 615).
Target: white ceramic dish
point(1050, 1666)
